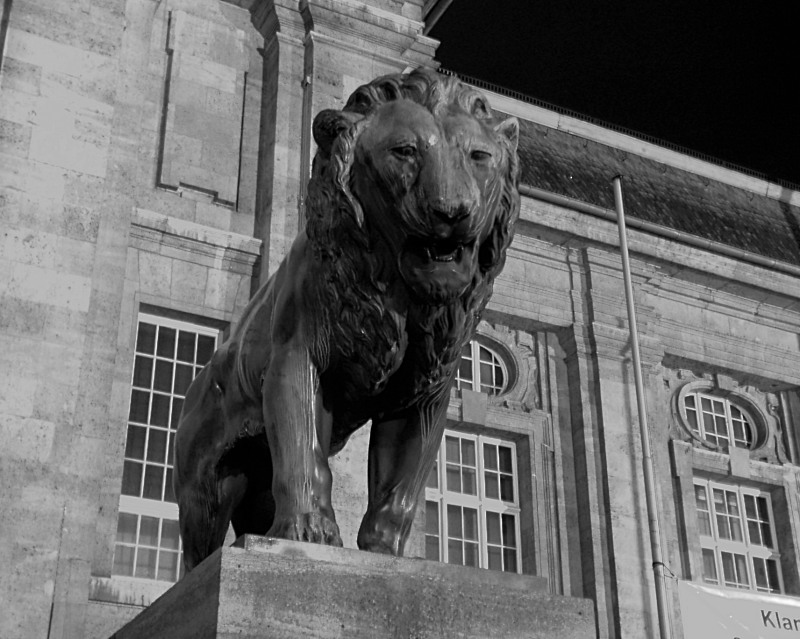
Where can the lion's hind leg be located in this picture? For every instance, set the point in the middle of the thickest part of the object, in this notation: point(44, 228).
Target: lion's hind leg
point(255, 511)
point(206, 497)
point(205, 514)
point(237, 491)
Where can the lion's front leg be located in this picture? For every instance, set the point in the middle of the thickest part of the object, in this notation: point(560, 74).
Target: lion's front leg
point(401, 454)
point(298, 431)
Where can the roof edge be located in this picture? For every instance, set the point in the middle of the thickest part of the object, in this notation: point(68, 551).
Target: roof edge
point(779, 186)
point(696, 241)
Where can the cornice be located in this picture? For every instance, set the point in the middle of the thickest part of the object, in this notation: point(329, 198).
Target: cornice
point(631, 144)
point(151, 231)
point(367, 30)
point(572, 228)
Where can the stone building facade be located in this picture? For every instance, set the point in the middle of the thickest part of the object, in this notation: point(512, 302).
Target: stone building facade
point(154, 156)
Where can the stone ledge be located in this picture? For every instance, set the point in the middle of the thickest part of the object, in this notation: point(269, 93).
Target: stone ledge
point(158, 233)
point(167, 225)
point(267, 588)
point(129, 591)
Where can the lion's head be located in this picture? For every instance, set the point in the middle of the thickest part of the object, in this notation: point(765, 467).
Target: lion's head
point(421, 170)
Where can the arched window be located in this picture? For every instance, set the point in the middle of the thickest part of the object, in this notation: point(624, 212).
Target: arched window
point(481, 370)
point(719, 421)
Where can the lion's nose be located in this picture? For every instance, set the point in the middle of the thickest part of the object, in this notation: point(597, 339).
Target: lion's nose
point(450, 211)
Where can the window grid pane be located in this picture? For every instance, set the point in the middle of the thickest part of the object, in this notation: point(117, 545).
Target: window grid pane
point(738, 550)
point(461, 467)
point(718, 421)
point(726, 507)
point(480, 370)
point(703, 512)
point(432, 531)
point(168, 354)
point(473, 529)
point(464, 374)
point(742, 434)
point(709, 566)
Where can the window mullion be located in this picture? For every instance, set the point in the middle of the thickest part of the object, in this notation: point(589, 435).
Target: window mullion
point(482, 536)
point(712, 510)
point(482, 532)
point(476, 366)
point(729, 424)
point(479, 468)
point(718, 562)
point(442, 504)
point(743, 522)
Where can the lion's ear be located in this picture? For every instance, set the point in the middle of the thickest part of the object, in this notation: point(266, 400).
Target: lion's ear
point(509, 129)
point(329, 124)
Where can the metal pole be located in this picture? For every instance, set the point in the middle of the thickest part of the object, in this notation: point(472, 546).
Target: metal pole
point(647, 458)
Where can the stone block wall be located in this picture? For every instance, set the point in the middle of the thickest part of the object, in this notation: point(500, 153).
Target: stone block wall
point(87, 237)
point(152, 152)
point(153, 157)
point(60, 299)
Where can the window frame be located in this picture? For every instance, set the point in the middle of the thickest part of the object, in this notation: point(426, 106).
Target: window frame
point(476, 383)
point(718, 544)
point(730, 432)
point(141, 506)
point(748, 406)
point(441, 498)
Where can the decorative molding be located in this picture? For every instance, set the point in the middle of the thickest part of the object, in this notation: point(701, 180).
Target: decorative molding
point(151, 231)
point(767, 445)
point(518, 350)
point(203, 109)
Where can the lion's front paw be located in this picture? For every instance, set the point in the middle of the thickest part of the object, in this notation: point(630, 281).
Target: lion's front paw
point(312, 527)
point(379, 534)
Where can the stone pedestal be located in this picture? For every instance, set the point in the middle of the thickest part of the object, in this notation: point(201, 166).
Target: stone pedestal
point(265, 588)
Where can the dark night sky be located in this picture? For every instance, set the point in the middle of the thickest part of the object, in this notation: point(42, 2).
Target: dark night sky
point(719, 78)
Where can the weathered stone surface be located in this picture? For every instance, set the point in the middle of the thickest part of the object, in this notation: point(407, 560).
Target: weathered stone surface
point(82, 96)
point(266, 588)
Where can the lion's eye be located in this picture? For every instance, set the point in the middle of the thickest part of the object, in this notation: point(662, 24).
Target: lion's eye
point(479, 156)
point(404, 151)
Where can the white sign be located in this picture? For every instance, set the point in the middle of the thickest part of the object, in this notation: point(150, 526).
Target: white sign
point(718, 613)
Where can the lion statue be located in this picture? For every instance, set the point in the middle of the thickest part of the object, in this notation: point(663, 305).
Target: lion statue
point(410, 209)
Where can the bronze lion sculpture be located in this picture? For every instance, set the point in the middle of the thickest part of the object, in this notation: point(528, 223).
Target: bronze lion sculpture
point(410, 209)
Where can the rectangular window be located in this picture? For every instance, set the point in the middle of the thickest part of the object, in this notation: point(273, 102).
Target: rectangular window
point(736, 534)
point(167, 357)
point(472, 504)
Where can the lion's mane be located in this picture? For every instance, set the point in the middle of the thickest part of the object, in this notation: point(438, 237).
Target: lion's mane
point(350, 299)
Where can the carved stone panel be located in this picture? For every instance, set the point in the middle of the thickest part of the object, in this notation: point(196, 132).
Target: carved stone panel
point(203, 107)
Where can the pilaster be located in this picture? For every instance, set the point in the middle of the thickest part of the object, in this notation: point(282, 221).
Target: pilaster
point(593, 514)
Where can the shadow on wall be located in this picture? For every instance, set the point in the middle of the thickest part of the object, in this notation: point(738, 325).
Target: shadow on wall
point(4, 30)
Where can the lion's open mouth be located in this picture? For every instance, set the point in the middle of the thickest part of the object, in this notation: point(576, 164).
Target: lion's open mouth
point(437, 269)
point(443, 250)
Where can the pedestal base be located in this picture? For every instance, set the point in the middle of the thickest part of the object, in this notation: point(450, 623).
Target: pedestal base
point(273, 589)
